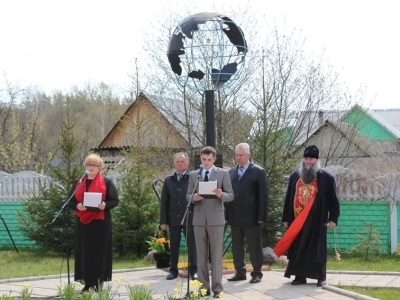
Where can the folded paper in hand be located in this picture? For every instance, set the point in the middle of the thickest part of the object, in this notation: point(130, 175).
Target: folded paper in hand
point(207, 187)
point(91, 199)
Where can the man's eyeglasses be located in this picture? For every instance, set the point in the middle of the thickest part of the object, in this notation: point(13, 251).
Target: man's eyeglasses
point(91, 165)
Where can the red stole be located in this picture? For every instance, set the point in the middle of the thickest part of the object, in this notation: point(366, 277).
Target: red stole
point(98, 185)
point(303, 201)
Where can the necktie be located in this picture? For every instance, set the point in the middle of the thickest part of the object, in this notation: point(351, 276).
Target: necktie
point(179, 177)
point(240, 172)
point(206, 176)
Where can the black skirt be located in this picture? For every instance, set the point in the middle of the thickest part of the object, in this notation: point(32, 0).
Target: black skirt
point(93, 251)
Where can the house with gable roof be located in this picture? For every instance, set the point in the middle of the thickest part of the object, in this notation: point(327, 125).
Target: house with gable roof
point(150, 123)
point(359, 139)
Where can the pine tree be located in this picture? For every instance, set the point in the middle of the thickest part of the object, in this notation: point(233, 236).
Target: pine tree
point(138, 211)
point(36, 218)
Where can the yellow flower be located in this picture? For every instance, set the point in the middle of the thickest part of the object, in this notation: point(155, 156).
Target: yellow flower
point(176, 291)
point(195, 293)
point(119, 280)
point(203, 292)
point(26, 286)
point(221, 295)
point(146, 285)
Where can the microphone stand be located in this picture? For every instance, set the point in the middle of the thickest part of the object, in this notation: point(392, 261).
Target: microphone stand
point(9, 234)
point(65, 229)
point(186, 215)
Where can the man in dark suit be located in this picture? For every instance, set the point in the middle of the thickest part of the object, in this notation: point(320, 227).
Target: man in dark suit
point(173, 207)
point(209, 220)
point(247, 213)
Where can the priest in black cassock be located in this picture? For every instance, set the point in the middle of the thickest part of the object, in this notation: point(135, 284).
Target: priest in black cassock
point(93, 231)
point(310, 197)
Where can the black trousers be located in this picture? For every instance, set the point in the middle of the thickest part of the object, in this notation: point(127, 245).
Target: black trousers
point(175, 241)
point(252, 235)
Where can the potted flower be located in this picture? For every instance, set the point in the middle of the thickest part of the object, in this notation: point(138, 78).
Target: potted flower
point(161, 248)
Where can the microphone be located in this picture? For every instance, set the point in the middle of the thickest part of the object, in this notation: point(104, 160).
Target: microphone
point(200, 171)
point(83, 176)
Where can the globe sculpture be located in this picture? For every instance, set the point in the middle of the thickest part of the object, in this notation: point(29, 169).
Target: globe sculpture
point(207, 51)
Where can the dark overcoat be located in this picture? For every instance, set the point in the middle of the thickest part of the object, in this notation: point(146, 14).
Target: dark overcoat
point(173, 200)
point(250, 200)
point(325, 208)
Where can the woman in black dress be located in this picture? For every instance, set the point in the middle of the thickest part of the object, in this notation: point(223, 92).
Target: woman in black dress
point(93, 232)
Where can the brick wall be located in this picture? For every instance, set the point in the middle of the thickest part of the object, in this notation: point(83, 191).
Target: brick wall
point(355, 216)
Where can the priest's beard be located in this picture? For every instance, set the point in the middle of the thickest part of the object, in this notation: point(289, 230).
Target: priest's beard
point(308, 173)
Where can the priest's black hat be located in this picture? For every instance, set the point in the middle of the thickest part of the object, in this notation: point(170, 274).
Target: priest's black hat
point(311, 151)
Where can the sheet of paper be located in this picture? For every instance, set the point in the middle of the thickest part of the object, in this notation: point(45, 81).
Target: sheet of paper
point(91, 199)
point(207, 188)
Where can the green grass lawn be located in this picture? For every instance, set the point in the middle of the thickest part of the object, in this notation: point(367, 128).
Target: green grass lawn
point(379, 293)
point(36, 263)
point(384, 263)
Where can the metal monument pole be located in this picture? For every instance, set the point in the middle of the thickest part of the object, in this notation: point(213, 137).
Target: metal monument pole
point(210, 119)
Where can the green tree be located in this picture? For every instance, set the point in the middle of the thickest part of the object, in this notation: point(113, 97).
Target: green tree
point(138, 210)
point(368, 243)
point(36, 218)
point(19, 132)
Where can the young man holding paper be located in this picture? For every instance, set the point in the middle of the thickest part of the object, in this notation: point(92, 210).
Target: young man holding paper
point(209, 218)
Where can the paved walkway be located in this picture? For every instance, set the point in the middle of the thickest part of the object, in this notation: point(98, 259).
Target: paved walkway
point(273, 285)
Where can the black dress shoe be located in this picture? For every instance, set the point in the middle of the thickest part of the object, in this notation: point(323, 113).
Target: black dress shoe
point(237, 277)
point(194, 276)
point(255, 279)
point(217, 295)
point(321, 282)
point(208, 293)
point(171, 276)
point(299, 280)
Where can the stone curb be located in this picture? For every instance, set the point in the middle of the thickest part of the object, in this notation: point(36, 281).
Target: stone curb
point(11, 280)
point(347, 293)
point(352, 272)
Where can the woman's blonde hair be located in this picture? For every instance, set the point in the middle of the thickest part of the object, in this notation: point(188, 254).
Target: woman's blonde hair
point(94, 159)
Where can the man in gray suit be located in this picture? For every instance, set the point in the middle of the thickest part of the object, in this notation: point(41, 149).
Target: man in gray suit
point(209, 219)
point(247, 213)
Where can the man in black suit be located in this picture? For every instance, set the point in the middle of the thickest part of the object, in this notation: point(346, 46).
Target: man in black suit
point(173, 206)
point(246, 213)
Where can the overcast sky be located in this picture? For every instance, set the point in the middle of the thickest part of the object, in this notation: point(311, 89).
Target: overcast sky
point(57, 44)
